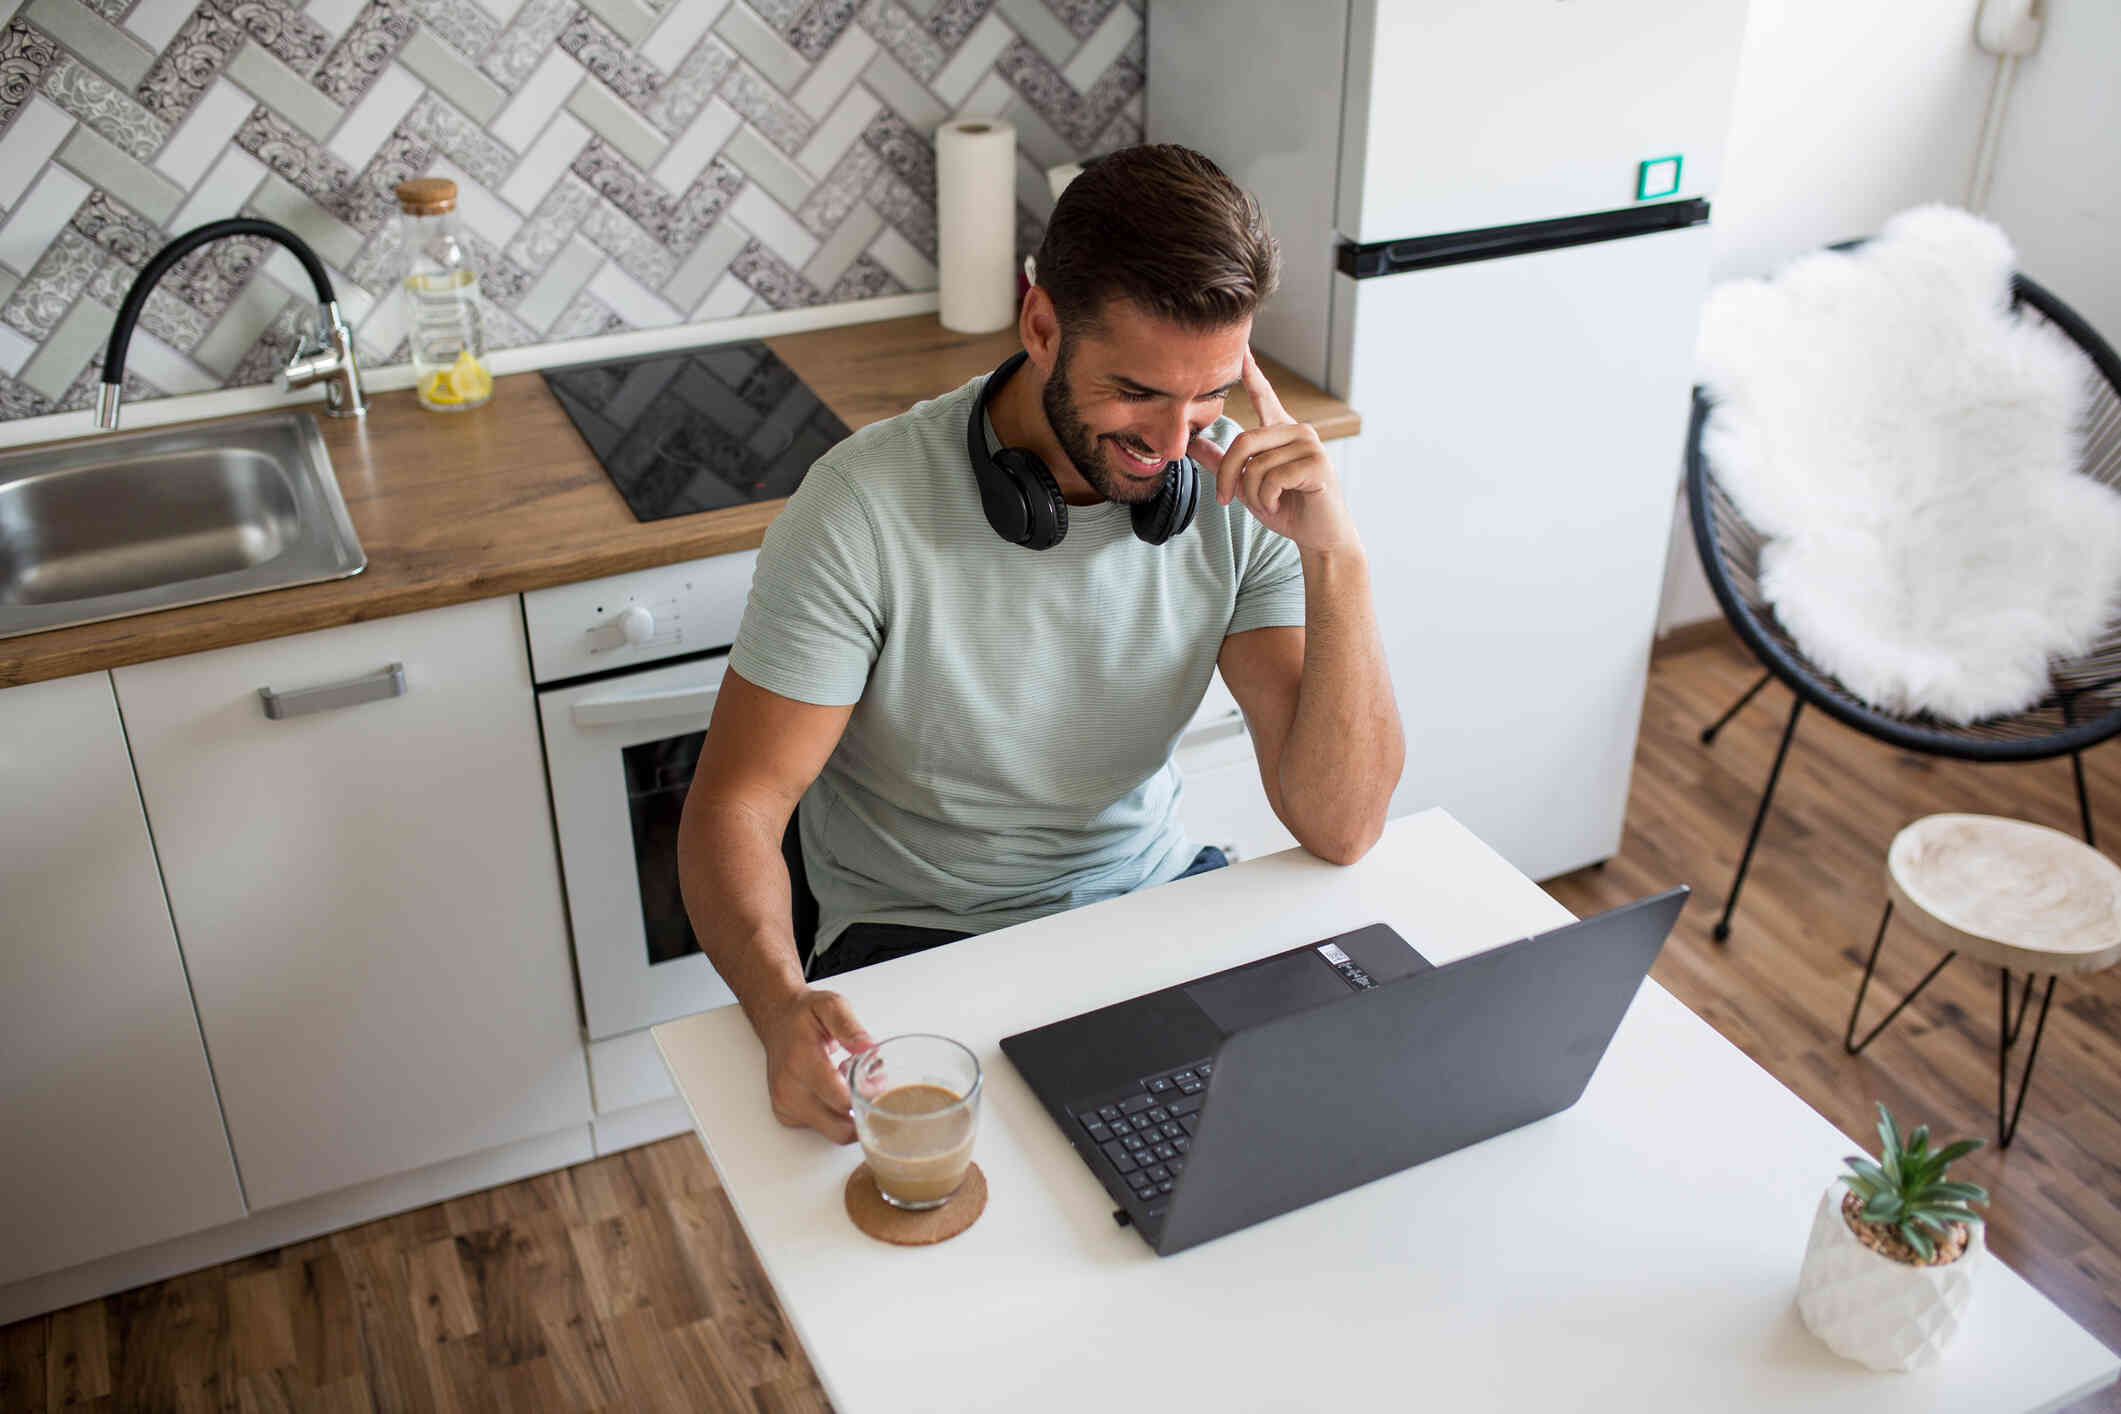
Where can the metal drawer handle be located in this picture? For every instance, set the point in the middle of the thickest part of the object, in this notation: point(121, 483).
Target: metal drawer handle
point(279, 706)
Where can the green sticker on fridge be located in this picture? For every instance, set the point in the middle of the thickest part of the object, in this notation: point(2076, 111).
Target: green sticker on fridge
point(1657, 176)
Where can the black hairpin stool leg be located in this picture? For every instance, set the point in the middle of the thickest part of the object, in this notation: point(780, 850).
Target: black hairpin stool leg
point(1848, 1038)
point(2007, 1118)
point(1708, 733)
point(1767, 796)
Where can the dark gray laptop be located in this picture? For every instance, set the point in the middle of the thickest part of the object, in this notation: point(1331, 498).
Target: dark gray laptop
point(1224, 1101)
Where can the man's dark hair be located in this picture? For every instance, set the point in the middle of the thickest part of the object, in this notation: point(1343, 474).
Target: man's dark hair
point(1162, 227)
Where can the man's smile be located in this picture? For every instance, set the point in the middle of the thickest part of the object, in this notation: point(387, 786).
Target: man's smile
point(1137, 466)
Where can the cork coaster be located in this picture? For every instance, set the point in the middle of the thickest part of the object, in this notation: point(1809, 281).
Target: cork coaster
point(888, 1224)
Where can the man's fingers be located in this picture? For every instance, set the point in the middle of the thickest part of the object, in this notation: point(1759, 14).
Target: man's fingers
point(1205, 454)
point(799, 1109)
point(816, 1080)
point(798, 1104)
point(1245, 448)
point(1290, 478)
point(1265, 402)
point(835, 1124)
point(1228, 468)
point(813, 1069)
point(1270, 472)
point(840, 1022)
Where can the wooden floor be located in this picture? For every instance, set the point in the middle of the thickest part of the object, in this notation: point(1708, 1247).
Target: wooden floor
point(619, 1284)
point(1780, 988)
point(625, 1284)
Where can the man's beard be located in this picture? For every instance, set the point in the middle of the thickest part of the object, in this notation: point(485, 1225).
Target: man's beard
point(1081, 444)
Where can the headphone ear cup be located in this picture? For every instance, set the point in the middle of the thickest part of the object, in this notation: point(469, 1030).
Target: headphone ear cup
point(1046, 513)
point(1001, 496)
point(1170, 511)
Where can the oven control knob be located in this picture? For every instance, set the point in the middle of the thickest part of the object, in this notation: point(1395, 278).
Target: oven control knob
point(636, 623)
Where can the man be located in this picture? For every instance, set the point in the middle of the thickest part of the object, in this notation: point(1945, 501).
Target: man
point(980, 731)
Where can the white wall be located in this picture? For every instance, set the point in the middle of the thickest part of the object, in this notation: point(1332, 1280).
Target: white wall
point(1846, 112)
point(2057, 186)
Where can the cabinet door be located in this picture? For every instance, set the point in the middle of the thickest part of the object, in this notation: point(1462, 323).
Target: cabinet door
point(366, 895)
point(113, 1136)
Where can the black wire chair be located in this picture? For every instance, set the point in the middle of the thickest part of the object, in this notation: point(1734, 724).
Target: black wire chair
point(2083, 705)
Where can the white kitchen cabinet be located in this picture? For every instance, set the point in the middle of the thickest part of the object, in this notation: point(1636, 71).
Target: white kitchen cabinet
point(366, 895)
point(114, 1139)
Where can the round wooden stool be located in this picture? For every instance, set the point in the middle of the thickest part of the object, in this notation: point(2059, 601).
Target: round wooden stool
point(2006, 892)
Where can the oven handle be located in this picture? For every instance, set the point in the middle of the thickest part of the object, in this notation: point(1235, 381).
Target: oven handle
point(643, 707)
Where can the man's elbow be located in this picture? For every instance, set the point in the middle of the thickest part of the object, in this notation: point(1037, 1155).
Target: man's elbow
point(1341, 827)
point(1344, 842)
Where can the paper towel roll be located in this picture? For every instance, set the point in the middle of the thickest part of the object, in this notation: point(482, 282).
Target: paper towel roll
point(975, 217)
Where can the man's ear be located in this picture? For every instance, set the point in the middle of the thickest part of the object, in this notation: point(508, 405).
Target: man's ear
point(1038, 325)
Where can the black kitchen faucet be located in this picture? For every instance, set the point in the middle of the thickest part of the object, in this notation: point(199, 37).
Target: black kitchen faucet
point(325, 355)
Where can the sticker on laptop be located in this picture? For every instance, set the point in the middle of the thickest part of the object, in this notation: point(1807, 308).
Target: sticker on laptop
point(1345, 966)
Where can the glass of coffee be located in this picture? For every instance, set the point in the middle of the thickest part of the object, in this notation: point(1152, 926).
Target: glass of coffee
point(916, 1108)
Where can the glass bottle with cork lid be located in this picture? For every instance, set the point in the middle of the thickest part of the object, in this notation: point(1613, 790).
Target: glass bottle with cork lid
point(442, 295)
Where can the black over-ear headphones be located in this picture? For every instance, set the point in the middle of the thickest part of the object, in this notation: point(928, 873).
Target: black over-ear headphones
point(1023, 501)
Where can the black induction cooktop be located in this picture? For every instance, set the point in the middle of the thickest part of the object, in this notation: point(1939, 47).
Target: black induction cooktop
point(697, 429)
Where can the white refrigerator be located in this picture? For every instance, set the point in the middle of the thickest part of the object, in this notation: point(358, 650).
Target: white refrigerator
point(1493, 220)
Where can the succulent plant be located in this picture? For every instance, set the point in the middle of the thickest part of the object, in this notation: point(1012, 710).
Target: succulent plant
point(1906, 1189)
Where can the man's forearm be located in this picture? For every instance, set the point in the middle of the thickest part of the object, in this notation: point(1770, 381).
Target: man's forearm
point(1345, 749)
point(736, 890)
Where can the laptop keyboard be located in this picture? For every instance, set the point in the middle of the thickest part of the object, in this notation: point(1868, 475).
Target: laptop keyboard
point(1143, 1133)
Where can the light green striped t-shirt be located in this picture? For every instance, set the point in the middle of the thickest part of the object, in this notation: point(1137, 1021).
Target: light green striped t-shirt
point(1009, 753)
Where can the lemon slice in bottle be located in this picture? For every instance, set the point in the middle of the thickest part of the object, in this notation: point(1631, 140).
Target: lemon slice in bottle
point(465, 381)
point(469, 378)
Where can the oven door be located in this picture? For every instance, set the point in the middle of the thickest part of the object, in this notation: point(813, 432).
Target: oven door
point(621, 754)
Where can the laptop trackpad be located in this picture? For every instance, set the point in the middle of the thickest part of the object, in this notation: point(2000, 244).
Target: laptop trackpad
point(1275, 986)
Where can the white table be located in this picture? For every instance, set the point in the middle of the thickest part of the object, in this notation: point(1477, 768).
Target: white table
point(1637, 1251)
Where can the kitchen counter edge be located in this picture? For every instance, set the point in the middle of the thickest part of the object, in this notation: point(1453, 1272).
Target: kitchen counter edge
point(508, 498)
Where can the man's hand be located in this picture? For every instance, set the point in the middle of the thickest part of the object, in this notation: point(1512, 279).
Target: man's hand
point(806, 1088)
point(1280, 471)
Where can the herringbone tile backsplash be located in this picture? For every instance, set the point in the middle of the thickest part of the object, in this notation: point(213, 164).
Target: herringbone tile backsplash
point(621, 163)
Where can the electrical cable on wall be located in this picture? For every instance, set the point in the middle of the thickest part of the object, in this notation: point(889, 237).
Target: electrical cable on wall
point(2008, 29)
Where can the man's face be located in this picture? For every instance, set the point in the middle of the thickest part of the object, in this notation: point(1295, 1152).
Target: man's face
point(1126, 397)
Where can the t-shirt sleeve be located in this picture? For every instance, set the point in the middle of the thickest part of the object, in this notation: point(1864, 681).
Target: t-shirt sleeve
point(1270, 586)
point(815, 620)
point(1270, 571)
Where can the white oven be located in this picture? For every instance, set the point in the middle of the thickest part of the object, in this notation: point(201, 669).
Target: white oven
point(627, 670)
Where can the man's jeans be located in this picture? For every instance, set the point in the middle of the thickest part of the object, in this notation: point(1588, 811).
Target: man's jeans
point(865, 943)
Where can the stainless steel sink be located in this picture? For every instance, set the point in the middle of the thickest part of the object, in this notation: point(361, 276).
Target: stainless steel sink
point(138, 521)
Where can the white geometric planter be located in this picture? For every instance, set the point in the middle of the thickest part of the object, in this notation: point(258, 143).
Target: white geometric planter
point(1874, 1310)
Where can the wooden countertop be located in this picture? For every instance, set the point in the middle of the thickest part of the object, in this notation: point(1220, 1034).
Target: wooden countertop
point(508, 498)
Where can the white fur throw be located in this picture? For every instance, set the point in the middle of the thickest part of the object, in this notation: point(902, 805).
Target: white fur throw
point(1909, 448)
